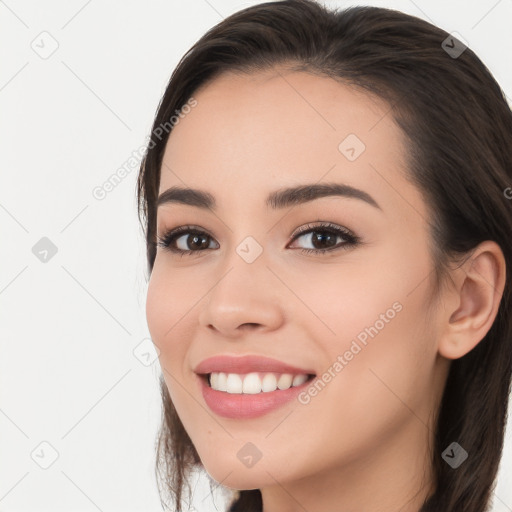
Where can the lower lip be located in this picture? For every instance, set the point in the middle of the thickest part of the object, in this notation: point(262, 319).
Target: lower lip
point(245, 406)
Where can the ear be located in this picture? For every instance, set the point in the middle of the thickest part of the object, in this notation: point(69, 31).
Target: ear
point(474, 301)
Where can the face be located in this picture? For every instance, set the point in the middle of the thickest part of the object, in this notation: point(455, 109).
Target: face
point(353, 315)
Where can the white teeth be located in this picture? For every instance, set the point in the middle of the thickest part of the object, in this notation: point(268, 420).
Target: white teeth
point(269, 383)
point(234, 383)
point(299, 379)
point(221, 381)
point(285, 381)
point(252, 383)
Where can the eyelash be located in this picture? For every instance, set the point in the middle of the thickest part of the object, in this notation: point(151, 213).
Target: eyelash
point(351, 240)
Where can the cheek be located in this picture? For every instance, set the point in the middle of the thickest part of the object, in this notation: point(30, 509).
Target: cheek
point(342, 299)
point(165, 310)
point(390, 357)
point(378, 327)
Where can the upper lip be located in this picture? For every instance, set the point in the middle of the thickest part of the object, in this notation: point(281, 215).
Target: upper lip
point(246, 364)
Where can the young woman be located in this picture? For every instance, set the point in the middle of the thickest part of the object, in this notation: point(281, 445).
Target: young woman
point(326, 199)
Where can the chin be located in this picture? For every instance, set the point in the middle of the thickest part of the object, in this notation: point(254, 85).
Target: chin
point(240, 478)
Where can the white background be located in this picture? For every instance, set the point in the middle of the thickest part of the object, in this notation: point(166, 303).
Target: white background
point(69, 376)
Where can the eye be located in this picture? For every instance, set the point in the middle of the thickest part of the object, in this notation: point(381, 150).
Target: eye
point(322, 237)
point(184, 240)
point(187, 240)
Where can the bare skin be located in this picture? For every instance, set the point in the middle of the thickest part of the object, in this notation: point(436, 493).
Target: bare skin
point(361, 443)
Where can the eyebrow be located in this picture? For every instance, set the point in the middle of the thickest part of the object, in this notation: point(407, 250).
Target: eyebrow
point(278, 199)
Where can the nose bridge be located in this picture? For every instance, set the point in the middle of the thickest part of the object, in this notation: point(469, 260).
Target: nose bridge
point(247, 261)
point(244, 293)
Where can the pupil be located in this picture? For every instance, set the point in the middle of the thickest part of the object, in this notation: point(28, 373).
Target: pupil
point(320, 238)
point(195, 238)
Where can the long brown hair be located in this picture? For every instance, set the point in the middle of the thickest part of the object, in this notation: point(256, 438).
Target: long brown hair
point(458, 127)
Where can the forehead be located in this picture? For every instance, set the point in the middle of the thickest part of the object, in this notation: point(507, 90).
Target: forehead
point(250, 134)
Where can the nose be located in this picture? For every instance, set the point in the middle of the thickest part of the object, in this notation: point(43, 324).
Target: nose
point(245, 298)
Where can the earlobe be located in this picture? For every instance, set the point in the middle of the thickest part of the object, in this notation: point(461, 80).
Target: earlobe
point(479, 291)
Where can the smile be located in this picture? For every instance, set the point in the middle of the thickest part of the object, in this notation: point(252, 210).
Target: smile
point(255, 382)
point(240, 404)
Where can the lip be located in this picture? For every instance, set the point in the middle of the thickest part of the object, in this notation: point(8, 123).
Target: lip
point(247, 406)
point(247, 364)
